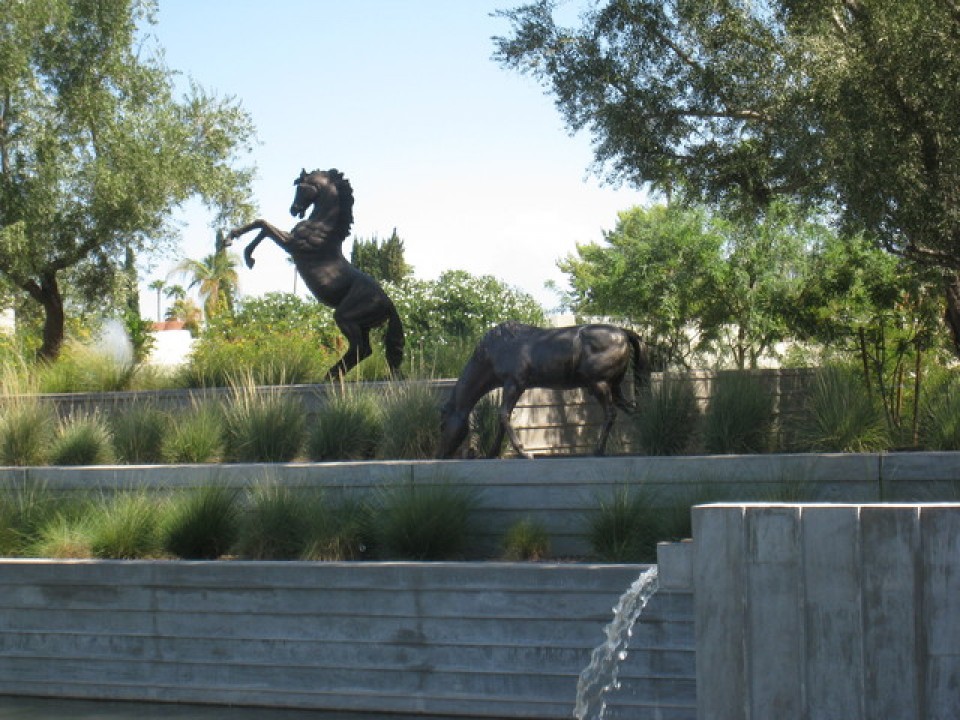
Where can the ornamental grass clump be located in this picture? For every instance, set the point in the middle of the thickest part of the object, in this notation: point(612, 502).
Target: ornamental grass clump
point(739, 417)
point(347, 426)
point(840, 415)
point(939, 421)
point(623, 527)
point(196, 436)
point(124, 526)
point(277, 521)
point(201, 524)
point(25, 508)
point(339, 532)
point(527, 540)
point(83, 439)
point(27, 428)
point(423, 521)
point(411, 421)
point(262, 424)
point(139, 433)
point(666, 418)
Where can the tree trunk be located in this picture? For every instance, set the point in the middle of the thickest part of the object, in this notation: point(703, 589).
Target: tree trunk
point(952, 313)
point(47, 293)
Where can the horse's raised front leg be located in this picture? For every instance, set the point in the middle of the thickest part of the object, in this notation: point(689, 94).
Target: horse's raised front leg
point(281, 237)
point(511, 396)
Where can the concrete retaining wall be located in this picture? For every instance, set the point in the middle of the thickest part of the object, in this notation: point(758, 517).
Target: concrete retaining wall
point(827, 611)
point(558, 492)
point(480, 639)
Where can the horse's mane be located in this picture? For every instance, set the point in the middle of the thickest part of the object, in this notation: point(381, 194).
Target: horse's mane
point(345, 197)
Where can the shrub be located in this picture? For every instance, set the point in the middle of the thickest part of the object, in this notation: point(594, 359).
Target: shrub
point(411, 421)
point(83, 439)
point(739, 418)
point(139, 433)
point(196, 437)
point(262, 424)
point(125, 526)
point(27, 428)
point(348, 426)
point(526, 540)
point(839, 415)
point(277, 522)
point(666, 421)
point(423, 522)
point(201, 524)
point(624, 528)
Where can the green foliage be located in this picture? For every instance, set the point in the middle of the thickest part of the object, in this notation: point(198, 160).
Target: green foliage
point(201, 524)
point(139, 433)
point(484, 425)
point(694, 281)
point(411, 421)
point(83, 439)
point(276, 338)
point(423, 522)
point(739, 417)
point(80, 368)
point(453, 312)
point(92, 117)
point(196, 436)
point(667, 415)
point(840, 415)
point(348, 426)
point(526, 540)
point(262, 425)
point(384, 261)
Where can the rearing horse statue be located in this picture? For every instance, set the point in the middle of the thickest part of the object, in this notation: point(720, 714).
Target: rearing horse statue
point(315, 245)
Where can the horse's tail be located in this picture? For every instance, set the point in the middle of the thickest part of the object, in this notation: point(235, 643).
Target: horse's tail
point(642, 368)
point(394, 340)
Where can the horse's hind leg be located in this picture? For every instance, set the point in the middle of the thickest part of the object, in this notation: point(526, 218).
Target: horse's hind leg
point(358, 348)
point(511, 395)
point(603, 393)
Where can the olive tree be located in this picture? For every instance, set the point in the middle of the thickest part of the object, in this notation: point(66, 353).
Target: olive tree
point(97, 149)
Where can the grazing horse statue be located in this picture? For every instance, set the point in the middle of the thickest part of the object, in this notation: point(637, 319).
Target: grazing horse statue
point(515, 357)
point(315, 245)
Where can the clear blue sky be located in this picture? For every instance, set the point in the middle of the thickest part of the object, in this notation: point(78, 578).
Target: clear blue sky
point(470, 162)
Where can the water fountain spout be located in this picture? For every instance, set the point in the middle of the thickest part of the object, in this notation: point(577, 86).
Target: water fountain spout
point(600, 676)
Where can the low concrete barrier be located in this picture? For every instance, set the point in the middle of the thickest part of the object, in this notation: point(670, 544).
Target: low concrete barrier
point(478, 639)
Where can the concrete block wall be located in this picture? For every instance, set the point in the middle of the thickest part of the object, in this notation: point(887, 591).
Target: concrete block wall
point(827, 611)
point(477, 639)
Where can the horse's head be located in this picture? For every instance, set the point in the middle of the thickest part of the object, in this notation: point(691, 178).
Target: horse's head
point(309, 187)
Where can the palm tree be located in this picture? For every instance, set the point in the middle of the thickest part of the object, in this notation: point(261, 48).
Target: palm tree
point(157, 285)
point(215, 277)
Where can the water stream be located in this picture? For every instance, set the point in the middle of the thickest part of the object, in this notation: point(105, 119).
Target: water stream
point(600, 676)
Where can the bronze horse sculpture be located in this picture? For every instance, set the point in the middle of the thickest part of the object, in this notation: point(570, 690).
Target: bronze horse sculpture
point(515, 357)
point(315, 245)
